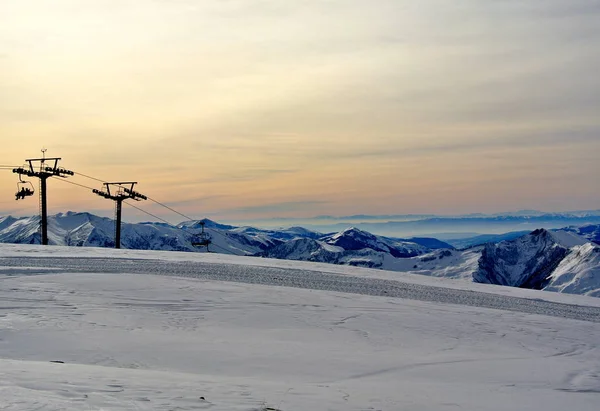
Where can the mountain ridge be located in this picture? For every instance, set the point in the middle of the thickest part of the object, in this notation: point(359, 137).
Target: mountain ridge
point(540, 259)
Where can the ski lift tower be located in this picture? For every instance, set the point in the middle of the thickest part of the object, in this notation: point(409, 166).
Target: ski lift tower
point(48, 167)
point(121, 191)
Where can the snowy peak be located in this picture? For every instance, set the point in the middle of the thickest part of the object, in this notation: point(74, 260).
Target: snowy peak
point(526, 261)
point(351, 246)
point(197, 224)
point(566, 238)
point(353, 239)
point(282, 234)
point(305, 249)
point(6, 221)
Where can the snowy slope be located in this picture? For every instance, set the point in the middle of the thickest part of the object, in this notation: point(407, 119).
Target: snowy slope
point(353, 239)
point(282, 234)
point(180, 340)
point(578, 273)
point(349, 247)
point(526, 261)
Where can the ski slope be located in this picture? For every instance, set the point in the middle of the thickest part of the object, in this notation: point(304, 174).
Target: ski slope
point(173, 331)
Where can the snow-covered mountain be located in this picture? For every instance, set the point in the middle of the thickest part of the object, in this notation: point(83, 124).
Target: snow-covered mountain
point(282, 234)
point(553, 260)
point(560, 260)
point(578, 272)
point(349, 247)
point(353, 239)
point(88, 230)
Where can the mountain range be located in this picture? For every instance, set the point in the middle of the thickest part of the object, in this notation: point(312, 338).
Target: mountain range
point(566, 260)
point(443, 227)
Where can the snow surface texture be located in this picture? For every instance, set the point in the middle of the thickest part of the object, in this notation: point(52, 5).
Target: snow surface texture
point(164, 342)
point(579, 272)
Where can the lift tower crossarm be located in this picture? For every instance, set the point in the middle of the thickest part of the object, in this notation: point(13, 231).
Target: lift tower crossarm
point(121, 191)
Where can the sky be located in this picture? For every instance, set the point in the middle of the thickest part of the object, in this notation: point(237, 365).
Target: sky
point(243, 109)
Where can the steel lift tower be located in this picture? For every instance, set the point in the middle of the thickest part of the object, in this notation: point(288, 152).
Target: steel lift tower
point(48, 167)
point(121, 191)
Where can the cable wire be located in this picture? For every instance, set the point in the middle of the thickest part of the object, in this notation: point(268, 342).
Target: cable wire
point(188, 218)
point(75, 184)
point(136, 207)
point(169, 208)
point(90, 177)
point(149, 198)
point(129, 204)
point(150, 214)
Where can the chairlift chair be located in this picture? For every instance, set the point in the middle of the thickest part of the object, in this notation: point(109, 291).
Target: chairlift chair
point(24, 189)
point(202, 239)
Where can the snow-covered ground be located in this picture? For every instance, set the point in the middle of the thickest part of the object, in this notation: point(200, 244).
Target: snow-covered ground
point(250, 333)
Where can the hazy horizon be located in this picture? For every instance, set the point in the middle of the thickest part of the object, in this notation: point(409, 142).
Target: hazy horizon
point(438, 226)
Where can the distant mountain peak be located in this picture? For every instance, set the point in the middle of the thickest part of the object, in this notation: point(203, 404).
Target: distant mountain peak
point(353, 232)
point(526, 261)
point(197, 224)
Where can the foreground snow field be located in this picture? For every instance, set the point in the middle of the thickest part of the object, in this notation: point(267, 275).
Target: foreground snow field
point(247, 333)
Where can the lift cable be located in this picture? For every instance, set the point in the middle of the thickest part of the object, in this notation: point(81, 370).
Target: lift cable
point(149, 198)
point(188, 218)
point(75, 184)
point(129, 204)
point(138, 208)
point(150, 214)
point(90, 177)
point(169, 208)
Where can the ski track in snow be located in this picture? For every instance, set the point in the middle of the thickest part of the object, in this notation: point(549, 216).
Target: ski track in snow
point(307, 280)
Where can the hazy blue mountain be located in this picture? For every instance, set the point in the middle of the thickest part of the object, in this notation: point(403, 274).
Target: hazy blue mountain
point(589, 231)
point(462, 243)
point(481, 224)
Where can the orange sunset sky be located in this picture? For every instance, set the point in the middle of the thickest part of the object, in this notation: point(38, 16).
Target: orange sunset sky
point(242, 109)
